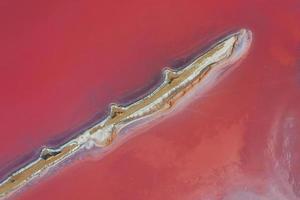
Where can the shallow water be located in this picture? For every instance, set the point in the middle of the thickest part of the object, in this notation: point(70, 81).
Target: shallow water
point(62, 63)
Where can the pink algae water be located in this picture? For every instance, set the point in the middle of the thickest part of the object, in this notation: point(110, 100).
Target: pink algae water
point(63, 62)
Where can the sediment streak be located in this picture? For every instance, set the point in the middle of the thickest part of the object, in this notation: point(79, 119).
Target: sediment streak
point(175, 85)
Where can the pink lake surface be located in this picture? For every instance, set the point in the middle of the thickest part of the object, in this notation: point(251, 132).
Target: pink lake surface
point(63, 62)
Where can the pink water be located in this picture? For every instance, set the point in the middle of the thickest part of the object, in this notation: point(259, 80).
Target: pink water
point(63, 62)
